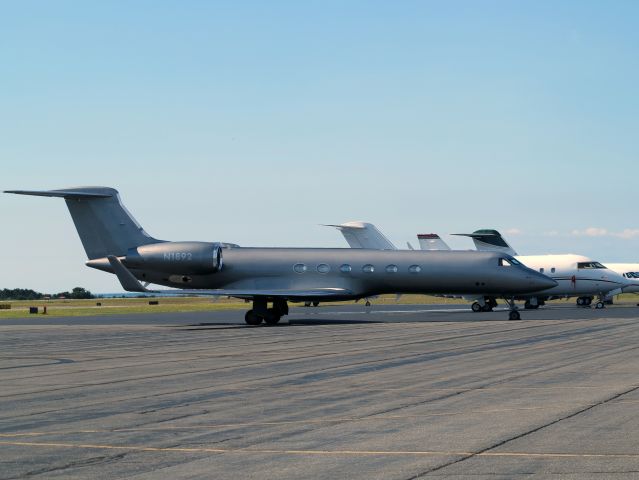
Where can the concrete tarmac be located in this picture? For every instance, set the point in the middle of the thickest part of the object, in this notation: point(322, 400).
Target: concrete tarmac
point(393, 392)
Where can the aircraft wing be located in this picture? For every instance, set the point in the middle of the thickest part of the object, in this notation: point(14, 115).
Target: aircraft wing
point(289, 294)
point(132, 284)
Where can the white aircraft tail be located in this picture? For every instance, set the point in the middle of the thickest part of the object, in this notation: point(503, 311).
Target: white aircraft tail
point(364, 235)
point(431, 241)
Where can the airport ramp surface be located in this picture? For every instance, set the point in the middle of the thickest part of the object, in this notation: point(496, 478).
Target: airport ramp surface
point(340, 392)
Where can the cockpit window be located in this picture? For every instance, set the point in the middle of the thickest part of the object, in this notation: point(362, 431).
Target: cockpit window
point(589, 265)
point(507, 262)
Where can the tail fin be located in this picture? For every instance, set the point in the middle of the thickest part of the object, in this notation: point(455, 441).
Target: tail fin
point(431, 241)
point(104, 225)
point(489, 240)
point(364, 235)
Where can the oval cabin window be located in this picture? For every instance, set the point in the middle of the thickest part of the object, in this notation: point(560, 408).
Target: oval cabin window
point(299, 268)
point(323, 268)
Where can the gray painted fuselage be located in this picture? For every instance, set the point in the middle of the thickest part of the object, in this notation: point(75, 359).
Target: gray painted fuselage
point(392, 272)
point(115, 242)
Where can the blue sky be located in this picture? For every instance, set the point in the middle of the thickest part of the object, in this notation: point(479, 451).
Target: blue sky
point(253, 122)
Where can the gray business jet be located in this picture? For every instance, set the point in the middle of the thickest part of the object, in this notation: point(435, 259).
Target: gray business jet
point(116, 243)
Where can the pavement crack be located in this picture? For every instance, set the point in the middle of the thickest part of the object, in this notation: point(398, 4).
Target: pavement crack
point(524, 434)
point(80, 463)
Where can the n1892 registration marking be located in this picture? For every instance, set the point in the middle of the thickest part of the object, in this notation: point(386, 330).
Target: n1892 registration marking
point(178, 256)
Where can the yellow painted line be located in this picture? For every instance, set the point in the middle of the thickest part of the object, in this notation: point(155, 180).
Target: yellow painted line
point(283, 422)
point(319, 452)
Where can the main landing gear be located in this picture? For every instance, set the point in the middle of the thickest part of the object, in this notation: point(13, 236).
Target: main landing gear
point(261, 313)
point(533, 303)
point(587, 301)
point(488, 305)
point(584, 301)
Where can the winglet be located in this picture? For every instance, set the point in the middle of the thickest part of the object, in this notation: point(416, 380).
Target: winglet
point(127, 280)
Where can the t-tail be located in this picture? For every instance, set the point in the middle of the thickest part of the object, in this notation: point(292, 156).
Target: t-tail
point(489, 241)
point(105, 226)
point(364, 235)
point(431, 241)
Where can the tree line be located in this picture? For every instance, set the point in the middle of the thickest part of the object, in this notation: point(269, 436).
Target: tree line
point(28, 294)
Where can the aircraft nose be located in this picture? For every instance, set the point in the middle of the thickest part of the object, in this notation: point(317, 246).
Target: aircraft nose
point(542, 282)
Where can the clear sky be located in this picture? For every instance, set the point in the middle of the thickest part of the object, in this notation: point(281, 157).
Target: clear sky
point(253, 122)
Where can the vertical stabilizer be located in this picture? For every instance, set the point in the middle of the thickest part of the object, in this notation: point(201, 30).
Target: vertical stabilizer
point(489, 241)
point(364, 235)
point(431, 241)
point(103, 223)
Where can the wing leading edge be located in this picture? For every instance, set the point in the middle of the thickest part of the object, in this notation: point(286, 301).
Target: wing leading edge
point(132, 284)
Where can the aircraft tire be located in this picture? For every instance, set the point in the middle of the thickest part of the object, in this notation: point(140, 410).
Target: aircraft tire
point(599, 305)
point(251, 318)
point(367, 304)
point(476, 307)
point(316, 303)
point(514, 315)
point(272, 317)
point(581, 302)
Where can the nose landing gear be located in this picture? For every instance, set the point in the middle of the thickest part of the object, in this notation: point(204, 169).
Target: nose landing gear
point(514, 313)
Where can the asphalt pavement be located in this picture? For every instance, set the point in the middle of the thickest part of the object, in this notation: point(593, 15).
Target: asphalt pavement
point(345, 391)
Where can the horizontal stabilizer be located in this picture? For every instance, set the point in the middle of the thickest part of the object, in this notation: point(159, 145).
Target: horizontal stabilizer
point(75, 193)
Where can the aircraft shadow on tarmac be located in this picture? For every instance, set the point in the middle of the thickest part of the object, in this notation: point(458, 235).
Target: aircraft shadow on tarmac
point(291, 323)
point(554, 313)
point(312, 322)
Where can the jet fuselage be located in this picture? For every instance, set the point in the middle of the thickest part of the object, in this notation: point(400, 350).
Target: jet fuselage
point(360, 271)
point(575, 275)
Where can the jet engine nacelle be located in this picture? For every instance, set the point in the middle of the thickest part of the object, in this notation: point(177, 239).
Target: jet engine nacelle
point(184, 258)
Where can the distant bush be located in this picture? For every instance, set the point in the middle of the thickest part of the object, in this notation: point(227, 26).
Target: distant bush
point(28, 294)
point(20, 294)
point(76, 293)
